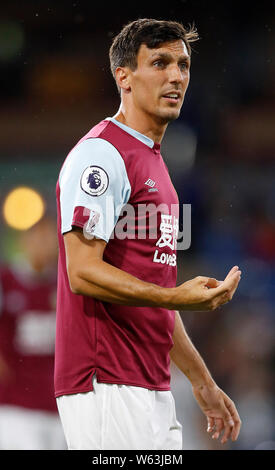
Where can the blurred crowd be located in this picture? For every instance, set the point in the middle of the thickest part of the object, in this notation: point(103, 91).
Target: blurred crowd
point(221, 156)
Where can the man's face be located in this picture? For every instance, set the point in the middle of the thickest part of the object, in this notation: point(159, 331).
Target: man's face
point(159, 83)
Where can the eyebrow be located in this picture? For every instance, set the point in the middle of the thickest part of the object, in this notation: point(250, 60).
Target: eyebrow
point(167, 56)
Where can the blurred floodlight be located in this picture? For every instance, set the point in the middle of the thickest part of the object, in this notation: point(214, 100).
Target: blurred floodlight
point(11, 40)
point(23, 207)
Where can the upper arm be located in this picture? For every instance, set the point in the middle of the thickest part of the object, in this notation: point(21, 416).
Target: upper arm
point(94, 186)
point(80, 252)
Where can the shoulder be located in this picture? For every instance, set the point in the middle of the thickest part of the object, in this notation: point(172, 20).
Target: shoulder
point(92, 151)
point(93, 147)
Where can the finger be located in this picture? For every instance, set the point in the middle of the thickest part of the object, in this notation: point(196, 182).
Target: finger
point(232, 271)
point(225, 290)
point(229, 425)
point(211, 424)
point(232, 281)
point(235, 418)
point(236, 430)
point(212, 282)
point(229, 285)
point(219, 283)
point(226, 297)
point(219, 427)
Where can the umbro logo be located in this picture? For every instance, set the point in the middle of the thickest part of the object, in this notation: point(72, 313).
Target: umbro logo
point(151, 184)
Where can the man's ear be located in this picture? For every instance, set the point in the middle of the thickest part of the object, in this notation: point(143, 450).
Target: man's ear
point(123, 78)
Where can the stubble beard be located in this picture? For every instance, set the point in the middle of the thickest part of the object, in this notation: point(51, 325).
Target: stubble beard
point(161, 116)
point(167, 116)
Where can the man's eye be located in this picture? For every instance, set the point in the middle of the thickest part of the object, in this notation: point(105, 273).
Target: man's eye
point(183, 65)
point(158, 63)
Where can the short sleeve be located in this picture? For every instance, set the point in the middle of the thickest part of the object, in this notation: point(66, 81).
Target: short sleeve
point(94, 186)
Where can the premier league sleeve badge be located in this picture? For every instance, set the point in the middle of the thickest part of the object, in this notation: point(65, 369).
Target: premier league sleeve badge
point(94, 181)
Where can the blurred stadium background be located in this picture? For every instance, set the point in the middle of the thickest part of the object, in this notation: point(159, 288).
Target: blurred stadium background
point(56, 84)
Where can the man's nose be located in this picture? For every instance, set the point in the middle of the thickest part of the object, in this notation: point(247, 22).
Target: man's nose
point(176, 75)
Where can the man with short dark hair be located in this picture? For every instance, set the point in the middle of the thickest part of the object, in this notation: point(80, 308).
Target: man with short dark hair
point(117, 318)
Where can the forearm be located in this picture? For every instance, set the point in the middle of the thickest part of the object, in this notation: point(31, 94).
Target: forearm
point(90, 275)
point(107, 283)
point(187, 358)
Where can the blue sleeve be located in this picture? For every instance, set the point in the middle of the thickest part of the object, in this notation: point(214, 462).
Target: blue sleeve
point(94, 186)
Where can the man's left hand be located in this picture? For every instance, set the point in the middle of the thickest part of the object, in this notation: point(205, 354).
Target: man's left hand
point(220, 411)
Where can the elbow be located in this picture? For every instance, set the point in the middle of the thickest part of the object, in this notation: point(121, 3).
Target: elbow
point(78, 285)
point(74, 283)
point(75, 288)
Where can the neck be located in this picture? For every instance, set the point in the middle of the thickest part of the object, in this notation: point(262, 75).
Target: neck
point(141, 122)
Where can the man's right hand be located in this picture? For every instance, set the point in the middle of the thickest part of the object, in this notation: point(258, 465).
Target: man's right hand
point(205, 293)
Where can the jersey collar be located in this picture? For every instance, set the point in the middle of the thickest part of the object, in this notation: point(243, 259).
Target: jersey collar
point(143, 138)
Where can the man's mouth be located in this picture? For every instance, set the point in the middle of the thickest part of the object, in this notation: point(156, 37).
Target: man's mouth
point(172, 97)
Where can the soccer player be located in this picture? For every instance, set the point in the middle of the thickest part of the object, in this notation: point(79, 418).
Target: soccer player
point(28, 414)
point(118, 323)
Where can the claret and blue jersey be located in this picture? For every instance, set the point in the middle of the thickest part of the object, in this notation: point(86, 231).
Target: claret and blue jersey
point(115, 185)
